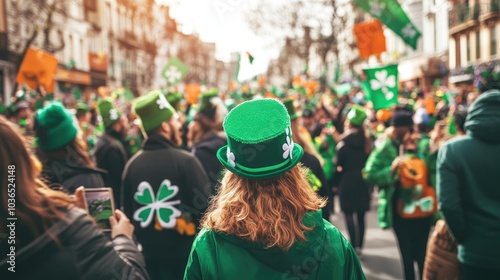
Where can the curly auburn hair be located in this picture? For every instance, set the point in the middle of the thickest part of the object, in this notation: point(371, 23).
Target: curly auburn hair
point(265, 211)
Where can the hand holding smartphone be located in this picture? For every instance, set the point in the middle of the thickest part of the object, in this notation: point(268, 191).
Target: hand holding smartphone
point(100, 205)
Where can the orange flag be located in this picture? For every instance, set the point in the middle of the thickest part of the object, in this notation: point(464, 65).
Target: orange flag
point(193, 91)
point(38, 69)
point(262, 81)
point(297, 81)
point(370, 38)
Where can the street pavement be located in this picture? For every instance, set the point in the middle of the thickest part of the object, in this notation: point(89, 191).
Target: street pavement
point(380, 259)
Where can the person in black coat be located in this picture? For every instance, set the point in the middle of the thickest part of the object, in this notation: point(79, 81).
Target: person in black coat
point(66, 165)
point(310, 159)
point(204, 139)
point(52, 238)
point(354, 192)
point(110, 153)
point(165, 190)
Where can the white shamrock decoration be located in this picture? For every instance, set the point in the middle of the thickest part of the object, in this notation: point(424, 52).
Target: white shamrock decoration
point(288, 146)
point(162, 102)
point(376, 8)
point(408, 31)
point(166, 213)
point(113, 114)
point(173, 74)
point(382, 81)
point(351, 114)
point(230, 157)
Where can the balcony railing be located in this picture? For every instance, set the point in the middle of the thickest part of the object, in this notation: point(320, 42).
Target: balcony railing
point(461, 14)
point(491, 6)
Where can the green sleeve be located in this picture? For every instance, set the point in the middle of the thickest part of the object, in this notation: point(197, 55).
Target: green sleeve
point(449, 195)
point(377, 169)
point(193, 268)
point(354, 271)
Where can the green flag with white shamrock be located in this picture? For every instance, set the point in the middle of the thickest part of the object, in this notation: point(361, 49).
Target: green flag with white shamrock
point(390, 13)
point(174, 71)
point(383, 86)
point(166, 212)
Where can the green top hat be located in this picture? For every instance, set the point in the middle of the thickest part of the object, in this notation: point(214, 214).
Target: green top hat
point(356, 115)
point(174, 98)
point(259, 140)
point(55, 127)
point(153, 109)
point(290, 108)
point(81, 109)
point(208, 106)
point(110, 115)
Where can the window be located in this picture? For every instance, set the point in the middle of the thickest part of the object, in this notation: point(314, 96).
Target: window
point(468, 47)
point(70, 47)
point(478, 45)
point(82, 53)
point(457, 51)
point(108, 16)
point(90, 5)
point(493, 45)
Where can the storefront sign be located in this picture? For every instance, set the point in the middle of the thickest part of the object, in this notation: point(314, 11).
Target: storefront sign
point(73, 77)
point(461, 78)
point(98, 61)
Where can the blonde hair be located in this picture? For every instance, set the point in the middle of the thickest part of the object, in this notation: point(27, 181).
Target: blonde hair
point(266, 211)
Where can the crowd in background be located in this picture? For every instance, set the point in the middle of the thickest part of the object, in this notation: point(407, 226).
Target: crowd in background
point(350, 151)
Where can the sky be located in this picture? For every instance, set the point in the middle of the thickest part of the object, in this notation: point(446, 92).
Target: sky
point(223, 22)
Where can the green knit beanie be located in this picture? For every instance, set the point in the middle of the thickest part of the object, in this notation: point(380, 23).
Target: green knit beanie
point(153, 109)
point(55, 127)
point(109, 114)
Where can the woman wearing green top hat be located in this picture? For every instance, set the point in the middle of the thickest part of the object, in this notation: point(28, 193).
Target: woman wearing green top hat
point(264, 222)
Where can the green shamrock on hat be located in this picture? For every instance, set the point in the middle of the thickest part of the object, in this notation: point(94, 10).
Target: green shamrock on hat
point(166, 213)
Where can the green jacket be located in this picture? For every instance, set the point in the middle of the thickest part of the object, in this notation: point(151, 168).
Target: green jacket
point(468, 184)
point(378, 172)
point(325, 255)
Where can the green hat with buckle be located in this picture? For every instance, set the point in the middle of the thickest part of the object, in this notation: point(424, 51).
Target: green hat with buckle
point(290, 107)
point(259, 140)
point(356, 115)
point(153, 109)
point(109, 114)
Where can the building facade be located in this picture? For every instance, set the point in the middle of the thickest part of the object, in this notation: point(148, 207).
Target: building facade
point(101, 45)
point(474, 31)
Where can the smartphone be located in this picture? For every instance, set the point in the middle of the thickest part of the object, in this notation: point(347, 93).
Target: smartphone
point(100, 205)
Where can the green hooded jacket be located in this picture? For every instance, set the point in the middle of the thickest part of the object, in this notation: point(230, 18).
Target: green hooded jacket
point(468, 184)
point(378, 172)
point(325, 255)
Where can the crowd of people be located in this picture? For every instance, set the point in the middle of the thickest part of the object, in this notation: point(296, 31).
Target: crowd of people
point(245, 187)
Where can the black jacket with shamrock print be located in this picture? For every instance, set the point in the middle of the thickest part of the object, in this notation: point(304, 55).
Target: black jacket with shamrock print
point(165, 178)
